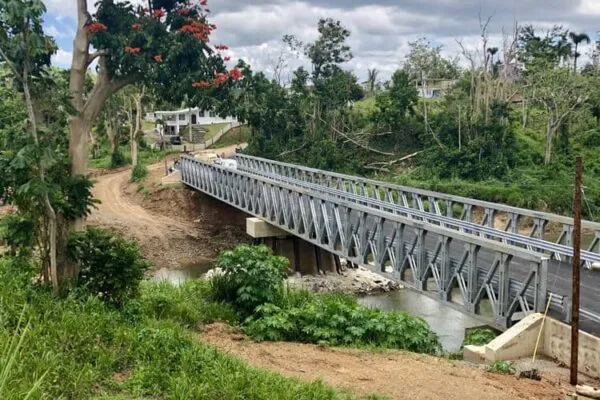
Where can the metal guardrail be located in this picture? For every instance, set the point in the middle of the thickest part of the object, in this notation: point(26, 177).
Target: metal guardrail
point(386, 242)
point(552, 249)
point(443, 205)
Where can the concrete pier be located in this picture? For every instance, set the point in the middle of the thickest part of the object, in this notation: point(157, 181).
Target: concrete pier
point(304, 257)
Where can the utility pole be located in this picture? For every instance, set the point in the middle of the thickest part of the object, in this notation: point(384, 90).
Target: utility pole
point(576, 267)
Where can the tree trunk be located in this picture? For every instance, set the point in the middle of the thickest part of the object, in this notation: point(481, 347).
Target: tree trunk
point(550, 133)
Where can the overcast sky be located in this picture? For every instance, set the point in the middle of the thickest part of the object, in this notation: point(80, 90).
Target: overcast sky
point(381, 29)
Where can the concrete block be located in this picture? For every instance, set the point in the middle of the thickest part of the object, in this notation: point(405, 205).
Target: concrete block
point(474, 354)
point(517, 342)
point(172, 179)
point(557, 345)
point(259, 229)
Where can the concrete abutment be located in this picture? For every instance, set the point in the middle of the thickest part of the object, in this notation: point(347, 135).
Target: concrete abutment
point(305, 257)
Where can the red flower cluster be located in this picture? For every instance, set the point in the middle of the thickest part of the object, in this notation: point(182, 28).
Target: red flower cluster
point(199, 30)
point(235, 74)
point(201, 84)
point(158, 58)
point(158, 13)
point(203, 3)
point(221, 47)
point(136, 27)
point(96, 27)
point(132, 50)
point(226, 58)
point(220, 78)
point(183, 11)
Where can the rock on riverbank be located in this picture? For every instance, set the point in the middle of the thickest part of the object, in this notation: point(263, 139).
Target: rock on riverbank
point(352, 280)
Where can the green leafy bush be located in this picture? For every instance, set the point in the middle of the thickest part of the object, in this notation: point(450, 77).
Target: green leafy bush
point(479, 337)
point(339, 320)
point(502, 367)
point(117, 159)
point(251, 276)
point(111, 266)
point(138, 172)
point(17, 233)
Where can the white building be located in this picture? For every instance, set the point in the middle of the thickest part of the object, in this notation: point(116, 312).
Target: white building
point(435, 88)
point(175, 121)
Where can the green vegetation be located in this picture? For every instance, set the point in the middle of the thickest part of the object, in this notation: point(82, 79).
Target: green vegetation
point(479, 337)
point(139, 172)
point(234, 137)
point(501, 367)
point(212, 130)
point(79, 347)
point(498, 131)
point(252, 282)
point(110, 266)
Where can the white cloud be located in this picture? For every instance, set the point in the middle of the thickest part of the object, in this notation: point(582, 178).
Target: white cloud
point(62, 58)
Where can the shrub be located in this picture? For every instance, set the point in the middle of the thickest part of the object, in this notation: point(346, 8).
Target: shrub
point(479, 337)
point(111, 266)
point(502, 367)
point(251, 277)
point(138, 172)
point(117, 159)
point(17, 233)
point(339, 320)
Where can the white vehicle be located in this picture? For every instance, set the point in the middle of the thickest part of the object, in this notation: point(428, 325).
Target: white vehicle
point(226, 163)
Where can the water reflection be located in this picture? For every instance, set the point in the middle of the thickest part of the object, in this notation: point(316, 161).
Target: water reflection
point(447, 322)
point(179, 276)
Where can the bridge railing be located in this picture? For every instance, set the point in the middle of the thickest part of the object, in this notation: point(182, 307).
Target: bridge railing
point(456, 267)
point(494, 215)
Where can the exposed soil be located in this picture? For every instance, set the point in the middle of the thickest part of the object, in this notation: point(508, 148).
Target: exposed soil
point(396, 374)
point(174, 226)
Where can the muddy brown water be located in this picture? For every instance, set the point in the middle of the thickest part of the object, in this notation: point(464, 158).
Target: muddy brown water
point(449, 323)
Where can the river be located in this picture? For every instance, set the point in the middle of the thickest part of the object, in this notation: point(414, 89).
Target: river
point(447, 322)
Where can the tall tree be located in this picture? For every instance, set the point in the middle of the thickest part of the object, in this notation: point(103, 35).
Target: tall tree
point(372, 75)
point(577, 39)
point(33, 158)
point(164, 45)
point(330, 49)
point(560, 93)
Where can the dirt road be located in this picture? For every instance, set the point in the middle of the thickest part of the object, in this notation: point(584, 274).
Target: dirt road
point(394, 374)
point(171, 225)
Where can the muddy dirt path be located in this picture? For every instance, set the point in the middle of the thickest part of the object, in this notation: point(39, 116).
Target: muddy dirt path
point(395, 374)
point(172, 226)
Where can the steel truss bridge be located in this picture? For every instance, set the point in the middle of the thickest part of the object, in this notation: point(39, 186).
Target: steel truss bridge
point(458, 250)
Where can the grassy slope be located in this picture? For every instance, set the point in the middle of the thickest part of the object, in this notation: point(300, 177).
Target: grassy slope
point(235, 136)
point(212, 130)
point(147, 350)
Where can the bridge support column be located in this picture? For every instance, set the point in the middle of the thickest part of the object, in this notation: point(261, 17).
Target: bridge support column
point(304, 257)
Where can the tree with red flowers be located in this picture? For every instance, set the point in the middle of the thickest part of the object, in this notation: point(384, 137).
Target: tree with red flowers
point(164, 45)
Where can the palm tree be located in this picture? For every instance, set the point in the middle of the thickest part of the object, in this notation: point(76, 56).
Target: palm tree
point(578, 38)
point(372, 79)
point(563, 51)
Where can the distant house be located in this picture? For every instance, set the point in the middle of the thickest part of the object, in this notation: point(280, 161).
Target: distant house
point(435, 89)
point(175, 121)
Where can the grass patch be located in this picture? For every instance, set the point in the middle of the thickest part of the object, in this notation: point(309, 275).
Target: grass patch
point(233, 137)
point(479, 337)
point(79, 347)
point(145, 155)
point(501, 367)
point(212, 130)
